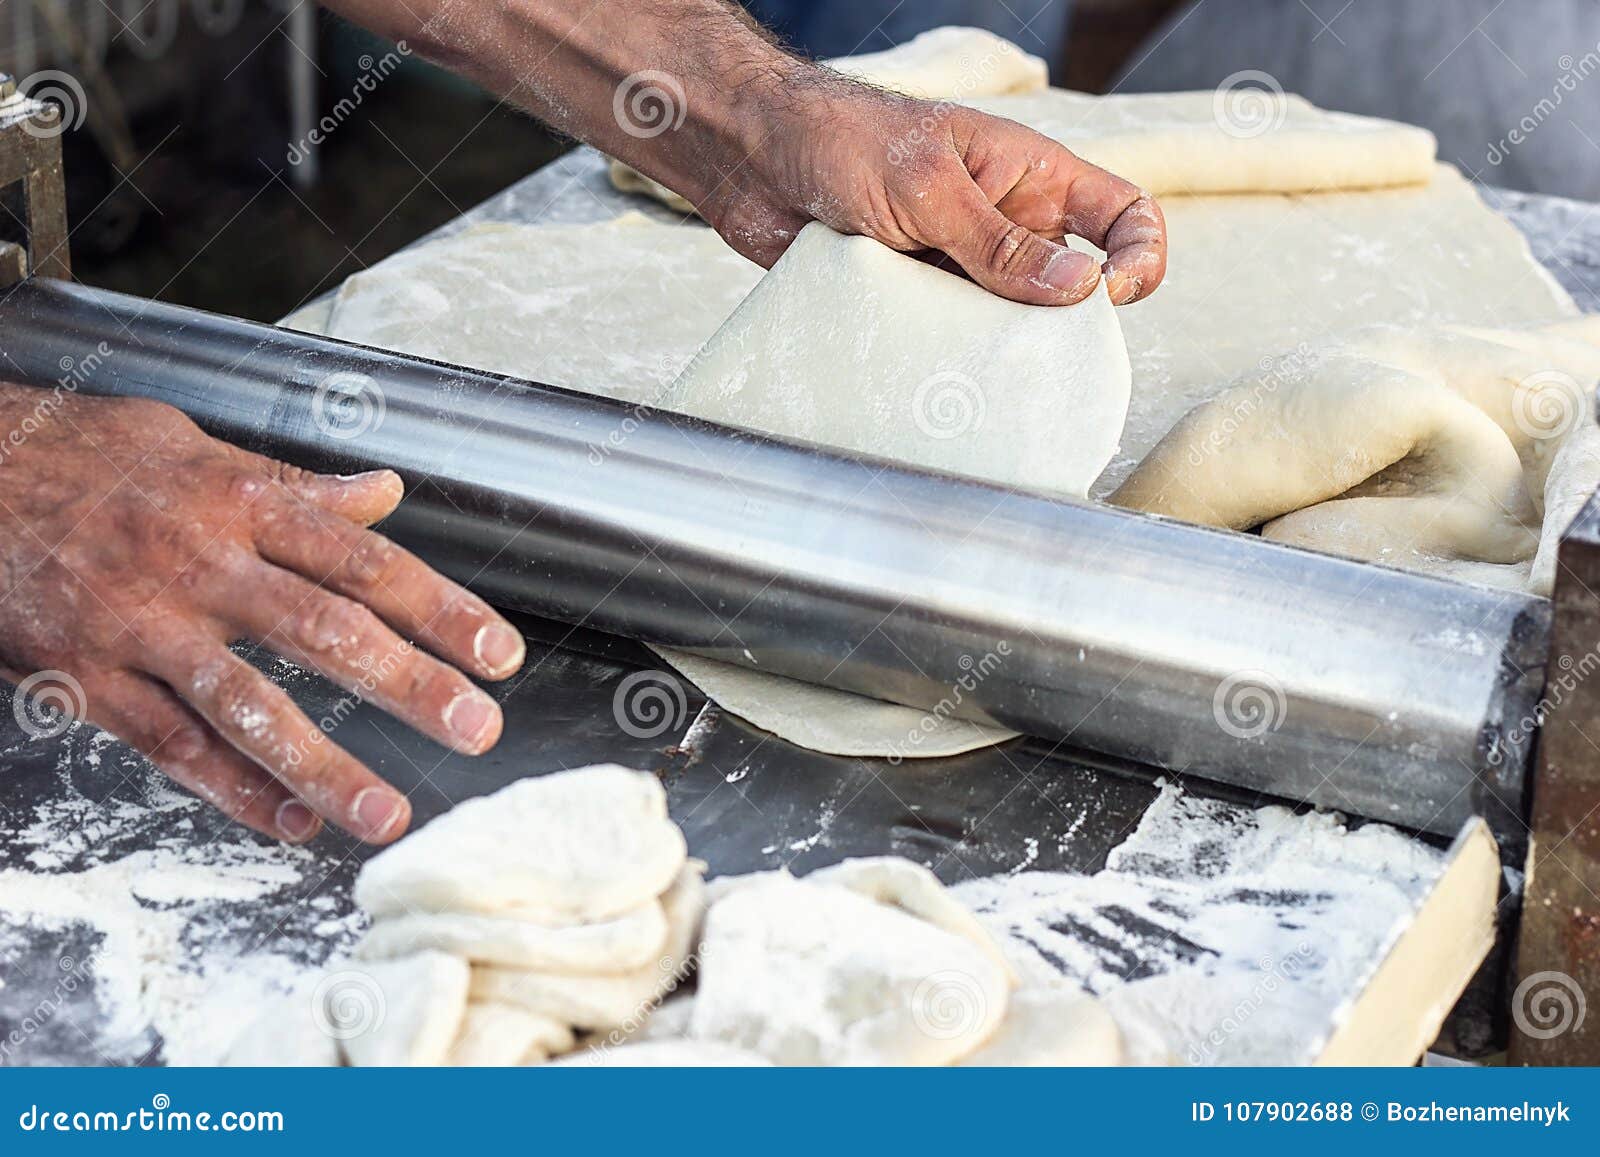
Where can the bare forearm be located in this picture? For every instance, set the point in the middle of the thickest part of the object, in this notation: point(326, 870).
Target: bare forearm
point(670, 86)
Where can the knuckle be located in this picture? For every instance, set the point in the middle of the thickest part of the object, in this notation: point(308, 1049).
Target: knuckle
point(332, 627)
point(1008, 249)
point(372, 564)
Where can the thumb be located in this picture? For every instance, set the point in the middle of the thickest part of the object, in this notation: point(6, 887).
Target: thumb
point(1004, 257)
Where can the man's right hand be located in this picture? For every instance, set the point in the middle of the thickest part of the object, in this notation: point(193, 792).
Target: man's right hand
point(134, 548)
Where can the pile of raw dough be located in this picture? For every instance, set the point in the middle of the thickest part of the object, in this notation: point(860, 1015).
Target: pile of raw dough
point(553, 916)
point(562, 904)
point(1444, 450)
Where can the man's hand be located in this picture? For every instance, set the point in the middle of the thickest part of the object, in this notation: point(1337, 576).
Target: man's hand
point(992, 194)
point(693, 94)
point(134, 548)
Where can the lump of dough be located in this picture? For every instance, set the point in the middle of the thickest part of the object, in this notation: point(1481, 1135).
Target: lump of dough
point(854, 346)
point(916, 891)
point(1338, 452)
point(398, 1012)
point(499, 1035)
point(1237, 141)
point(619, 1001)
point(620, 944)
point(1052, 1026)
point(573, 846)
point(809, 974)
point(1432, 448)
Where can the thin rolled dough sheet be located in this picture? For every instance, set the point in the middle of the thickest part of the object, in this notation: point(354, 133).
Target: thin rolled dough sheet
point(616, 309)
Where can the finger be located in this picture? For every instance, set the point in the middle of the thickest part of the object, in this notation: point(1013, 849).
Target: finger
point(351, 646)
point(1002, 256)
point(144, 714)
point(1136, 252)
point(362, 498)
point(415, 600)
point(257, 718)
point(1060, 193)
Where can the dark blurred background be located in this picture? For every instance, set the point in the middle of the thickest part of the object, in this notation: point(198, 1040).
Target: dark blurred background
point(187, 181)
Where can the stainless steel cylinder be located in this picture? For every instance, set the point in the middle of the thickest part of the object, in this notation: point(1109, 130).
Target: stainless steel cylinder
point(1214, 654)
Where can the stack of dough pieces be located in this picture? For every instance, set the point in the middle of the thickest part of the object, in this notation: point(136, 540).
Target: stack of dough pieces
point(563, 904)
point(867, 962)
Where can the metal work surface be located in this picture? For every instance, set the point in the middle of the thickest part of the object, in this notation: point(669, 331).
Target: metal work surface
point(746, 799)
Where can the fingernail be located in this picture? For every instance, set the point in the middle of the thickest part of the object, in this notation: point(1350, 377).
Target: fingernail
point(1122, 287)
point(498, 649)
point(376, 810)
point(470, 716)
point(297, 822)
point(1070, 273)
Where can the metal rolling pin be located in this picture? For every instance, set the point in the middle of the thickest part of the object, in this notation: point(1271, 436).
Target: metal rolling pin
point(1375, 692)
